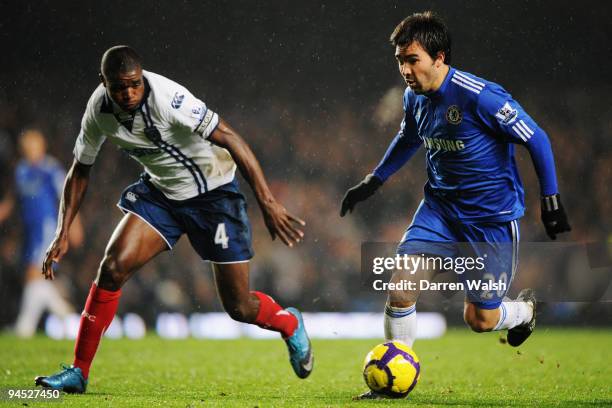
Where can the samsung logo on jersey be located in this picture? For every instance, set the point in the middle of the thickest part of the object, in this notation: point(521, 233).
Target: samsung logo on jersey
point(447, 145)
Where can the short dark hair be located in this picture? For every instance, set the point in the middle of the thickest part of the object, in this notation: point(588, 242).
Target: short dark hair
point(427, 29)
point(119, 59)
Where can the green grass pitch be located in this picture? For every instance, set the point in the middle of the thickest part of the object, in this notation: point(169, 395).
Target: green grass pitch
point(553, 368)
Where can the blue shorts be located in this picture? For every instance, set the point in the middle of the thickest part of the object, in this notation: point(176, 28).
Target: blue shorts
point(37, 237)
point(216, 222)
point(494, 243)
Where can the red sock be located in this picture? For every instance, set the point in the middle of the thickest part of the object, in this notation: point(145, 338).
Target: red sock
point(98, 314)
point(272, 316)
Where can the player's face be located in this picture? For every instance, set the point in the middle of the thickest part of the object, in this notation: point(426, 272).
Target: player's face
point(33, 146)
point(126, 89)
point(419, 70)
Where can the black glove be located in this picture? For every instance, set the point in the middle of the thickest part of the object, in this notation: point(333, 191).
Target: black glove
point(360, 192)
point(553, 216)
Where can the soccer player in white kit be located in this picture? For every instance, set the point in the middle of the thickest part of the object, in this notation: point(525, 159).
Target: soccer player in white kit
point(190, 156)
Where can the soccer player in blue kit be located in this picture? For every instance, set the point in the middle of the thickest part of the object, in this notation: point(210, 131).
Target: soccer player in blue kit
point(473, 194)
point(38, 184)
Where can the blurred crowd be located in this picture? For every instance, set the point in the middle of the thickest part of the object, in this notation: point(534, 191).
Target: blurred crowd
point(311, 152)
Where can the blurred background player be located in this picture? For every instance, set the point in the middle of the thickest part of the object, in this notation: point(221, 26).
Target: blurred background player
point(38, 185)
point(473, 194)
point(190, 156)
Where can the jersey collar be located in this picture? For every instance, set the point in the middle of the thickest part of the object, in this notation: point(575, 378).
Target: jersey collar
point(107, 104)
point(440, 91)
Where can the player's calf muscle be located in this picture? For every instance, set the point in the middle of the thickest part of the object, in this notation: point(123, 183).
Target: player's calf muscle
point(241, 310)
point(407, 298)
point(480, 326)
point(480, 320)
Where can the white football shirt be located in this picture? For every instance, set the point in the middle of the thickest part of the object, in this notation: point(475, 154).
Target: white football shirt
point(182, 163)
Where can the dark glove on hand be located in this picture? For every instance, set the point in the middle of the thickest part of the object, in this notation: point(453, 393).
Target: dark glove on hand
point(360, 192)
point(553, 216)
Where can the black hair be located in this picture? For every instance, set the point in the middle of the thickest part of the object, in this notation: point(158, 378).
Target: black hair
point(119, 59)
point(428, 30)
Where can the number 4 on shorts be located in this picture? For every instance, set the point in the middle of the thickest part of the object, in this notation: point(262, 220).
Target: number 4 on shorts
point(221, 237)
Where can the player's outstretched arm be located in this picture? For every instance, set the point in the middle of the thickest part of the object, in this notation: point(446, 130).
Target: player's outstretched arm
point(279, 222)
point(403, 146)
point(503, 115)
point(75, 186)
point(537, 142)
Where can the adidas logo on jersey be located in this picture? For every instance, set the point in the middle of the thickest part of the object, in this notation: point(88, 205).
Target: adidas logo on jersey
point(177, 101)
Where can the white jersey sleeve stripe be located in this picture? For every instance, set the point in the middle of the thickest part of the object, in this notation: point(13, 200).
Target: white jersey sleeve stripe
point(519, 133)
point(458, 78)
point(524, 126)
point(463, 85)
point(525, 131)
point(468, 79)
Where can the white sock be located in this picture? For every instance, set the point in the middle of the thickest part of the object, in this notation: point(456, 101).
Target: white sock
point(512, 314)
point(401, 324)
point(38, 295)
point(32, 307)
point(54, 301)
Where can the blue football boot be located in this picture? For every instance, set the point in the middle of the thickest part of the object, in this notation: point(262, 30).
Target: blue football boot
point(300, 351)
point(69, 380)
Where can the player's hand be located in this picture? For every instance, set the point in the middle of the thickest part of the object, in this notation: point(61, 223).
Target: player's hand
point(282, 224)
point(56, 251)
point(553, 216)
point(360, 192)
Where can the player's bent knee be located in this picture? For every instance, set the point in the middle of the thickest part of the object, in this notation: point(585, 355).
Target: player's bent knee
point(112, 274)
point(402, 298)
point(402, 304)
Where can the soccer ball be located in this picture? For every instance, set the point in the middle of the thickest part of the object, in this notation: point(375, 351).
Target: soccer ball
point(391, 369)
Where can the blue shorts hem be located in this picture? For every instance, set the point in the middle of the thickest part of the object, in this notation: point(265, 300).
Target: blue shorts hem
point(169, 242)
point(226, 261)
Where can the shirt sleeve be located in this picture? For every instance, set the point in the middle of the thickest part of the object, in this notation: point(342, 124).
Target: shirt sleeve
point(188, 111)
point(403, 146)
point(505, 117)
point(90, 137)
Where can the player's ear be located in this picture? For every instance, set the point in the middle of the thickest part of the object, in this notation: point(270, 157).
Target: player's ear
point(102, 79)
point(440, 59)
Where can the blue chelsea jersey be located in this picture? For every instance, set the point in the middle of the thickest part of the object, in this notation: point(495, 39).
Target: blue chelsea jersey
point(469, 127)
point(38, 188)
